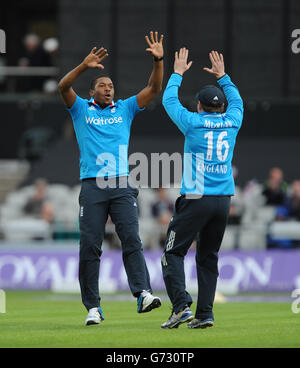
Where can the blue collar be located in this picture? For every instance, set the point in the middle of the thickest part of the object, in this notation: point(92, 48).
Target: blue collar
point(91, 101)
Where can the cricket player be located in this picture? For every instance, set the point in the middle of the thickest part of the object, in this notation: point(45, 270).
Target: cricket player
point(210, 135)
point(102, 128)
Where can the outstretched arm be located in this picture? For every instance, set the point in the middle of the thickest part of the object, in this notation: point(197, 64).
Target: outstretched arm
point(178, 114)
point(146, 95)
point(235, 102)
point(91, 61)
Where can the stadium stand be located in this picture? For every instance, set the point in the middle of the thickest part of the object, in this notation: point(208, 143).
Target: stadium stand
point(257, 220)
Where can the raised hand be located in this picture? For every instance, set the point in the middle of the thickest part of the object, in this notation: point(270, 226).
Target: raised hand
point(155, 46)
point(181, 64)
point(217, 64)
point(95, 57)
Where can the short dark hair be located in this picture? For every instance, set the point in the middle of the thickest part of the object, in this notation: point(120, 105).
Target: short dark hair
point(94, 81)
point(211, 109)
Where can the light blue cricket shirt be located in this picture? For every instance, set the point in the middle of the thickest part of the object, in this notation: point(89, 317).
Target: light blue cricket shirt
point(103, 136)
point(209, 140)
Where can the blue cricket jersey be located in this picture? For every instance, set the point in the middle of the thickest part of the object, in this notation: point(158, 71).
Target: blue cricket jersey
point(209, 140)
point(103, 136)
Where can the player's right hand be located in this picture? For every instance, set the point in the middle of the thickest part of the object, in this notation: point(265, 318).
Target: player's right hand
point(95, 57)
point(181, 64)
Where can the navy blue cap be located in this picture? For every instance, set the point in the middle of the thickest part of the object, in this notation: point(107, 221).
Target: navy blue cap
point(211, 96)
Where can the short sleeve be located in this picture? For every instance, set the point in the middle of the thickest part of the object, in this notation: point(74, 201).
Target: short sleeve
point(132, 106)
point(76, 109)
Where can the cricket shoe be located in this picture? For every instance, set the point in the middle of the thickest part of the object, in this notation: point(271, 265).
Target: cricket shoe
point(176, 320)
point(201, 323)
point(94, 317)
point(146, 302)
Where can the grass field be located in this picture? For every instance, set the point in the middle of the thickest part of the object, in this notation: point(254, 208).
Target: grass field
point(42, 319)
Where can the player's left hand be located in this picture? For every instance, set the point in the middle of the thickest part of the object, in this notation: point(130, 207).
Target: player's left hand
point(155, 46)
point(217, 64)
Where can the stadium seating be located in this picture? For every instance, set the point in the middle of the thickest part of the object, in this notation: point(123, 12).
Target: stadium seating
point(256, 224)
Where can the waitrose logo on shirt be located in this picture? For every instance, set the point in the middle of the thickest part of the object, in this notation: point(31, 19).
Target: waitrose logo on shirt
point(101, 121)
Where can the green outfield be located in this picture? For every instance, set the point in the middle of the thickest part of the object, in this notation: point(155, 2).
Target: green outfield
point(42, 319)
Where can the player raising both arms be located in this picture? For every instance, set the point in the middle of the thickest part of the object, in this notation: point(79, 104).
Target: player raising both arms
point(210, 136)
point(102, 128)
